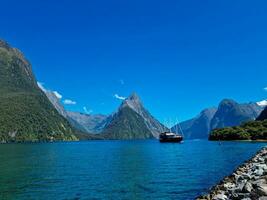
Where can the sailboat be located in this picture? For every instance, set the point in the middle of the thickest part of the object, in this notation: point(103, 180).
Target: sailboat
point(169, 136)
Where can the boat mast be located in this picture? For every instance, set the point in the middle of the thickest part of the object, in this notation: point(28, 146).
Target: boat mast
point(170, 125)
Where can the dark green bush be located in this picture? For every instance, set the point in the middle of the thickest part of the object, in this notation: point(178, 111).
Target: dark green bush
point(253, 130)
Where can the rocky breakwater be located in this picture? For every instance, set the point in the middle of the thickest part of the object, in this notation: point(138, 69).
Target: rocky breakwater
point(248, 182)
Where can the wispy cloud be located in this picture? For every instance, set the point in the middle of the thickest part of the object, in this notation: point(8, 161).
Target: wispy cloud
point(41, 86)
point(87, 111)
point(119, 97)
point(69, 102)
point(265, 89)
point(59, 96)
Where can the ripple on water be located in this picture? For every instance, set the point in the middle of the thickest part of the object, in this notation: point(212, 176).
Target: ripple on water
point(117, 169)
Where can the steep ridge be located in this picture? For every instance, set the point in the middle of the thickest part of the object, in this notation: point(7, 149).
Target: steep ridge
point(25, 112)
point(61, 110)
point(263, 115)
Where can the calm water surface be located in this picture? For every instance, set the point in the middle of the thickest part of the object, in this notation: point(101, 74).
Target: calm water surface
point(117, 169)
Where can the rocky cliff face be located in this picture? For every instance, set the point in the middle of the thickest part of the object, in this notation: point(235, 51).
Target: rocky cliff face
point(25, 112)
point(56, 103)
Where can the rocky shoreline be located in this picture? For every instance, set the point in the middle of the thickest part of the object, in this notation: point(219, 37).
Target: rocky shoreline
point(248, 182)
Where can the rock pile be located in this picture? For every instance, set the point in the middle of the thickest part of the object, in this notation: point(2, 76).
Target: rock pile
point(248, 182)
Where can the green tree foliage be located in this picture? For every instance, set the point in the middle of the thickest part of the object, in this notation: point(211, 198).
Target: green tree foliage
point(127, 124)
point(26, 115)
point(253, 130)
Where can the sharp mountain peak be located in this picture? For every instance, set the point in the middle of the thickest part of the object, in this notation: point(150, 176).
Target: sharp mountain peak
point(133, 97)
point(134, 102)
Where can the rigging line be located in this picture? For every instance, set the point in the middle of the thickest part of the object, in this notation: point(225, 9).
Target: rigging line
point(180, 127)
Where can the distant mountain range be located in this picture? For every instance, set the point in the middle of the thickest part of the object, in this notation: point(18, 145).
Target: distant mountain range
point(61, 110)
point(130, 121)
point(90, 123)
point(133, 121)
point(26, 115)
point(31, 113)
point(229, 113)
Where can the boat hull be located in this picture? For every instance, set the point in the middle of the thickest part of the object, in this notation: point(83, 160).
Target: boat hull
point(171, 140)
point(170, 137)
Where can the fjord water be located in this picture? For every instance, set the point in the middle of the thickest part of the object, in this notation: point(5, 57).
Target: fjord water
point(117, 169)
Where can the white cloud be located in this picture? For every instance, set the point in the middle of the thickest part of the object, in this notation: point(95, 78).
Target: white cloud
point(56, 93)
point(69, 102)
point(59, 96)
point(265, 89)
point(262, 103)
point(41, 86)
point(86, 110)
point(119, 97)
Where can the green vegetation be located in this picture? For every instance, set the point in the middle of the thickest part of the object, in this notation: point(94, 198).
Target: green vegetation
point(127, 124)
point(26, 115)
point(254, 130)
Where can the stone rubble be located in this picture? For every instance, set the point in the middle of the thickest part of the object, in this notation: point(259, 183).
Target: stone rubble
point(248, 182)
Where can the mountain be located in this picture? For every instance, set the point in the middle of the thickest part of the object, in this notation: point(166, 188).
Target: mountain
point(132, 121)
point(26, 114)
point(61, 110)
point(83, 122)
point(229, 113)
point(198, 127)
point(55, 101)
point(252, 130)
point(90, 123)
point(263, 115)
point(262, 103)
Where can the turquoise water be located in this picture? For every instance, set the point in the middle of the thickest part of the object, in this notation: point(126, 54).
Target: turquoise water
point(117, 169)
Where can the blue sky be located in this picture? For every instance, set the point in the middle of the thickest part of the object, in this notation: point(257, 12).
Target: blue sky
point(179, 56)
